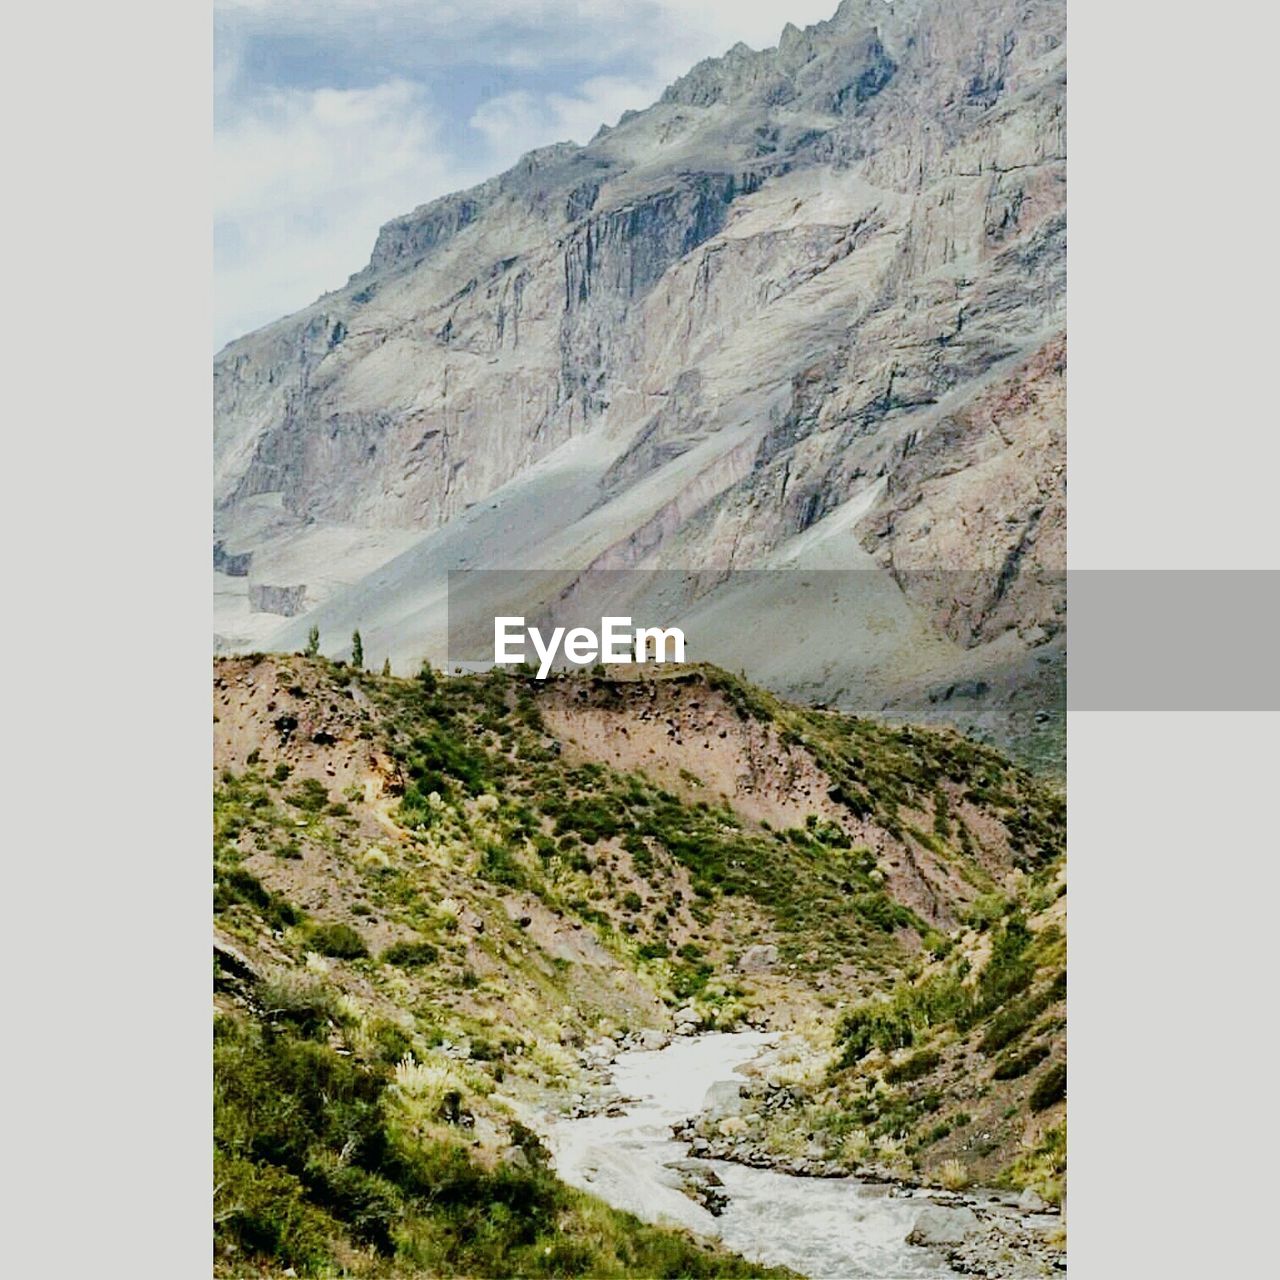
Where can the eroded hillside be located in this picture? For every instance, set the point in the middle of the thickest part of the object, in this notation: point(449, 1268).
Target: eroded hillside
point(446, 892)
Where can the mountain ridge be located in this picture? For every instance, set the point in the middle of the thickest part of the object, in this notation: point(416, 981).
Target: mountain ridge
point(722, 320)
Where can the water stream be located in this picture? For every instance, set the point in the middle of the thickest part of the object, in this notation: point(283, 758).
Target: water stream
point(837, 1228)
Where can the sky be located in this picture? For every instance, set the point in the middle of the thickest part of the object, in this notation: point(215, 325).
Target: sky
point(333, 116)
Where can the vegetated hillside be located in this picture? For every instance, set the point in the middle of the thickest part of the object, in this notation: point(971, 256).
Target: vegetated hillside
point(807, 309)
point(431, 893)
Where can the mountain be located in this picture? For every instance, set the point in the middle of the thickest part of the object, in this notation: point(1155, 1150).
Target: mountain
point(443, 905)
point(807, 311)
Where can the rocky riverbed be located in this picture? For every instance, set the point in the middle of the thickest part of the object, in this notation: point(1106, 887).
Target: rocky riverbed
point(632, 1138)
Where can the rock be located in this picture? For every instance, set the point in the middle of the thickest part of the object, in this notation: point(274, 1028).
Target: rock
point(758, 958)
point(724, 1098)
point(1031, 1201)
point(515, 1157)
point(937, 1226)
point(700, 1184)
point(285, 602)
point(687, 1020)
point(600, 1054)
point(652, 1040)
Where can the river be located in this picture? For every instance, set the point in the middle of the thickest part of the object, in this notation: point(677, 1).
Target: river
point(839, 1228)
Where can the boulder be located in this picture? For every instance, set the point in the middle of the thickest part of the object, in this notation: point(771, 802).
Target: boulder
point(758, 958)
point(943, 1226)
point(687, 1020)
point(1031, 1201)
point(724, 1098)
point(651, 1039)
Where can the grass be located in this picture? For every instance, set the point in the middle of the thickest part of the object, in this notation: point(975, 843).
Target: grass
point(1044, 1168)
point(672, 888)
point(321, 1165)
point(944, 998)
point(948, 1015)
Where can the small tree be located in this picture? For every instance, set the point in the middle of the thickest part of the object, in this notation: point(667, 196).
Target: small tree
point(313, 641)
point(386, 667)
point(357, 650)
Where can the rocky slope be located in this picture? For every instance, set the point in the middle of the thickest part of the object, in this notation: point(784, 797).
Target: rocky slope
point(459, 896)
point(807, 310)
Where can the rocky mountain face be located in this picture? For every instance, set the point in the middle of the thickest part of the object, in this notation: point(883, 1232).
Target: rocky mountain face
point(805, 311)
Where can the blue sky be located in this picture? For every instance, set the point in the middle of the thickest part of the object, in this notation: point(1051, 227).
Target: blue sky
point(332, 116)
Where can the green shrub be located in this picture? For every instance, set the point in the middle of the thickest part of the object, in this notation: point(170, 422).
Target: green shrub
point(261, 1210)
point(1050, 1088)
point(410, 954)
point(309, 795)
point(880, 1026)
point(233, 885)
point(1014, 1020)
point(439, 756)
point(498, 865)
point(1016, 1065)
point(335, 939)
point(895, 1023)
point(302, 1002)
point(879, 909)
point(690, 978)
point(919, 1064)
point(391, 1042)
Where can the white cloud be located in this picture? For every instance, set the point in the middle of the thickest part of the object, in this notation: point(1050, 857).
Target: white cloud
point(303, 180)
point(305, 174)
point(516, 122)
